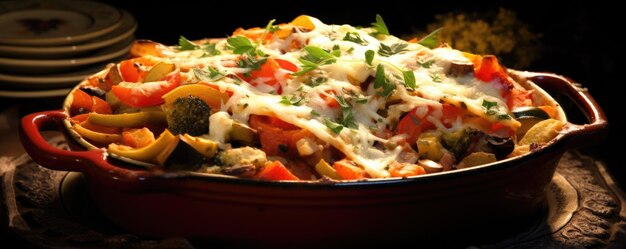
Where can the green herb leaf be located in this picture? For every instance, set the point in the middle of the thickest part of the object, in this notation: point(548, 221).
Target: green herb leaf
point(316, 81)
point(380, 77)
point(334, 127)
point(336, 51)
point(360, 100)
point(314, 58)
point(409, 79)
point(355, 37)
point(185, 44)
point(369, 56)
point(380, 26)
point(211, 75)
point(431, 40)
point(251, 62)
point(426, 64)
point(210, 49)
point(395, 48)
point(381, 82)
point(240, 45)
point(503, 117)
point(489, 104)
point(435, 77)
point(294, 100)
point(346, 112)
point(314, 113)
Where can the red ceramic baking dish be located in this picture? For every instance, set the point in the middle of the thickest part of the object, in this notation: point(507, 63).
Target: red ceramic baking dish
point(460, 204)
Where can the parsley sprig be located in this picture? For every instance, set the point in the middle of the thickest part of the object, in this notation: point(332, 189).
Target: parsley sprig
point(491, 108)
point(395, 48)
point(315, 58)
point(185, 44)
point(355, 37)
point(211, 74)
point(294, 100)
point(431, 40)
point(379, 26)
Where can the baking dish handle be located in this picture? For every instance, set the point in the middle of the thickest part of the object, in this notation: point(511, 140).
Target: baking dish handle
point(47, 155)
point(575, 135)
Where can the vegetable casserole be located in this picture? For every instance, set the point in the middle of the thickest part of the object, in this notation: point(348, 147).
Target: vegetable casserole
point(306, 100)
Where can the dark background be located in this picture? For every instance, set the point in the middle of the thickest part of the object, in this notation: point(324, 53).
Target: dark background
point(578, 38)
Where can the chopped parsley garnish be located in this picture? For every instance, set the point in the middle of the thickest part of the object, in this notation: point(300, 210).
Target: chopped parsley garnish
point(251, 62)
point(489, 104)
point(211, 75)
point(409, 79)
point(336, 50)
point(426, 64)
point(369, 56)
point(347, 119)
point(503, 117)
point(316, 81)
point(209, 49)
point(355, 37)
point(240, 45)
point(435, 77)
point(395, 48)
point(491, 108)
point(381, 82)
point(431, 40)
point(185, 44)
point(334, 127)
point(314, 113)
point(315, 57)
point(294, 100)
point(379, 26)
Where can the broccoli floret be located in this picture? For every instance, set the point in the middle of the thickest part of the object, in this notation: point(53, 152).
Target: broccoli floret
point(188, 115)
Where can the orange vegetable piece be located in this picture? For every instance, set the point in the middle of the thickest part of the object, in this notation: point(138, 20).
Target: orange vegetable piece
point(348, 170)
point(137, 138)
point(405, 169)
point(276, 171)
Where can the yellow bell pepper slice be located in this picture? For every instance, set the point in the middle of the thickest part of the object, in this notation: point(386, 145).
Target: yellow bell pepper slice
point(303, 21)
point(152, 153)
point(104, 138)
point(205, 147)
point(211, 96)
point(136, 119)
point(158, 71)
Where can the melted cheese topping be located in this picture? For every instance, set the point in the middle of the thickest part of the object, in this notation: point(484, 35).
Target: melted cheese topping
point(348, 76)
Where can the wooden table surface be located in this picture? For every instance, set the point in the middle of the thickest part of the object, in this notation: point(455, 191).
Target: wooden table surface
point(10, 146)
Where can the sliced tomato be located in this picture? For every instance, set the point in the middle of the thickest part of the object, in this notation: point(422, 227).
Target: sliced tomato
point(269, 71)
point(277, 137)
point(146, 94)
point(81, 102)
point(84, 103)
point(330, 99)
point(413, 126)
point(276, 171)
point(135, 70)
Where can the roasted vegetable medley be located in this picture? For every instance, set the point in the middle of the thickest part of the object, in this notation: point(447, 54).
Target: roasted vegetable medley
point(306, 100)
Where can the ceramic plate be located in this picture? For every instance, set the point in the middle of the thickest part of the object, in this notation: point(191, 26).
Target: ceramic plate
point(37, 23)
point(125, 30)
point(35, 94)
point(47, 81)
point(32, 66)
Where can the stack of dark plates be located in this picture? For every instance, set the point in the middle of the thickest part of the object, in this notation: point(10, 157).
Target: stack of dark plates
point(47, 47)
